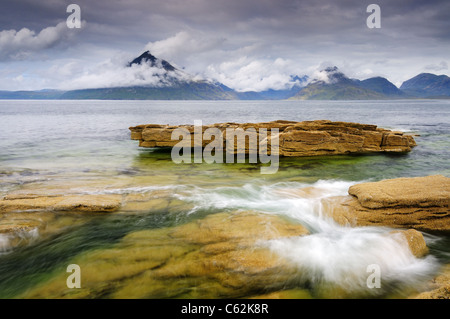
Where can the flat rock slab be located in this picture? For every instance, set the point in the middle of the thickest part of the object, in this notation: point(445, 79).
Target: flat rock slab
point(84, 203)
point(425, 191)
point(307, 138)
point(420, 203)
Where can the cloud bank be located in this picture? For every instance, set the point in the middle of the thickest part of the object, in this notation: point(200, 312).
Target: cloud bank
point(246, 44)
point(117, 73)
point(22, 44)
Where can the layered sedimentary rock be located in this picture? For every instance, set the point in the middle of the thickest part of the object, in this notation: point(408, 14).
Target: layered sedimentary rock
point(421, 203)
point(308, 138)
point(71, 202)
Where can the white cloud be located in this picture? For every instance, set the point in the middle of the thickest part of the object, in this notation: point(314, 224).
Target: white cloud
point(248, 74)
point(325, 73)
point(238, 66)
point(184, 45)
point(437, 67)
point(20, 45)
point(116, 73)
point(321, 75)
point(213, 36)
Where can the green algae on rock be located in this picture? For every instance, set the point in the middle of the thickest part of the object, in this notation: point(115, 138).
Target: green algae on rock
point(217, 256)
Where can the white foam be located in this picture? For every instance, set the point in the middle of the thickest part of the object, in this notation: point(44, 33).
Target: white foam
point(11, 240)
point(128, 190)
point(332, 253)
point(269, 199)
point(342, 257)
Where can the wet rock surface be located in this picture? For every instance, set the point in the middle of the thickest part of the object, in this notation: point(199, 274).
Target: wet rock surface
point(86, 203)
point(218, 256)
point(438, 287)
point(420, 203)
point(221, 255)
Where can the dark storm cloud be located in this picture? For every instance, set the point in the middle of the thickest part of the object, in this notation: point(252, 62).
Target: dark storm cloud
point(281, 17)
point(227, 36)
point(251, 19)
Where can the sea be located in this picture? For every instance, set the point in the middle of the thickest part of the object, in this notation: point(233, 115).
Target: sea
point(58, 147)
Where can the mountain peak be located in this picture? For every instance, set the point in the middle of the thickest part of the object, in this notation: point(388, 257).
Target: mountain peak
point(331, 75)
point(381, 85)
point(331, 69)
point(427, 85)
point(149, 58)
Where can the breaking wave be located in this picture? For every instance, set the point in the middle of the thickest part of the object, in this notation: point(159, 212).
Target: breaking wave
point(332, 253)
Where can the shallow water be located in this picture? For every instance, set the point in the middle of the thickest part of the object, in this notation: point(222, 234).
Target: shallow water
point(84, 147)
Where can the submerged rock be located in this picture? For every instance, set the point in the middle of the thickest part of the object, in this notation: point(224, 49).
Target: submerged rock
point(415, 240)
point(420, 203)
point(438, 288)
point(308, 138)
point(24, 228)
point(286, 294)
point(217, 256)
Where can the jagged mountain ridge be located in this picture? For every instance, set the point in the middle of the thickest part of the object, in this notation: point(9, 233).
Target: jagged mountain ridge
point(175, 84)
point(335, 85)
point(147, 57)
point(171, 83)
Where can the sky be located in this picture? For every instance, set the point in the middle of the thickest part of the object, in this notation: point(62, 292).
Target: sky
point(244, 44)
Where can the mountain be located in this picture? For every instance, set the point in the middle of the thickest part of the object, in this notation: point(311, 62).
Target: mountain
point(272, 94)
point(31, 95)
point(166, 83)
point(381, 85)
point(427, 85)
point(335, 85)
point(153, 61)
point(182, 91)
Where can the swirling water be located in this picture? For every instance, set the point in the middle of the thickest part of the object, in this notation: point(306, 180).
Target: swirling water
point(84, 146)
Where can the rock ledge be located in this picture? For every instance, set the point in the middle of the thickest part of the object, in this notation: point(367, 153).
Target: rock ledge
point(307, 138)
point(421, 203)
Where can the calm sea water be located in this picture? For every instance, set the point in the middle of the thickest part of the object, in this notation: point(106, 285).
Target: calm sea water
point(57, 146)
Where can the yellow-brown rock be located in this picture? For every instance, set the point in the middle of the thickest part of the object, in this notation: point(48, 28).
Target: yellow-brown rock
point(438, 288)
point(71, 202)
point(215, 257)
point(21, 228)
point(415, 240)
point(420, 203)
point(428, 191)
point(308, 138)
